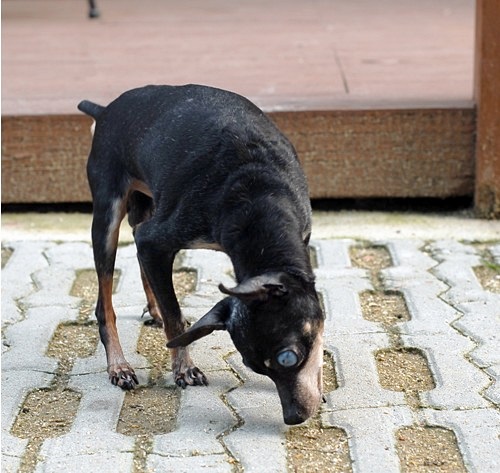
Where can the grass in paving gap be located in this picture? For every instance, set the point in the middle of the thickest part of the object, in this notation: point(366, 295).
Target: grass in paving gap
point(6, 254)
point(50, 412)
point(425, 449)
point(488, 273)
point(45, 413)
point(404, 369)
point(387, 308)
point(372, 258)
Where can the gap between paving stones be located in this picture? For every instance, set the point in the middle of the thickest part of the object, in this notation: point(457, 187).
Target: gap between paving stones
point(438, 412)
point(376, 263)
point(405, 369)
point(466, 292)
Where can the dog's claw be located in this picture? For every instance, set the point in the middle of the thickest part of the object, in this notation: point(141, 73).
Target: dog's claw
point(191, 377)
point(125, 379)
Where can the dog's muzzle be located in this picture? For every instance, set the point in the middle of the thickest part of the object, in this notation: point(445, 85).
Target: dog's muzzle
point(301, 395)
point(300, 398)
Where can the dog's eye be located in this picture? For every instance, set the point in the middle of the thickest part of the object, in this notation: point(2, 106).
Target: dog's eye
point(287, 358)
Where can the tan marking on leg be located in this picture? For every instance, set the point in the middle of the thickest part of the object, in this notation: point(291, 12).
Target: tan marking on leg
point(118, 210)
point(119, 371)
point(153, 308)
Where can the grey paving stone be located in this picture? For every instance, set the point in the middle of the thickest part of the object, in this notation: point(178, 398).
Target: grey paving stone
point(492, 393)
point(50, 281)
point(458, 383)
point(216, 463)
point(480, 309)
point(477, 432)
point(495, 252)
point(16, 385)
point(429, 314)
point(30, 339)
point(371, 434)
point(12, 452)
point(92, 444)
point(17, 283)
point(87, 451)
point(72, 255)
point(481, 322)
point(333, 254)
point(408, 253)
point(357, 376)
point(257, 403)
point(339, 285)
point(203, 418)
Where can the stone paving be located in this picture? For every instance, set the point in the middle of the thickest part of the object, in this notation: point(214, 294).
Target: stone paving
point(235, 424)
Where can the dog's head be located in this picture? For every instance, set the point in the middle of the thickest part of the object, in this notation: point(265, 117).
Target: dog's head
point(276, 323)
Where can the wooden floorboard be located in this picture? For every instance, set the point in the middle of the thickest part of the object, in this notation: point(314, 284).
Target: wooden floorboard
point(282, 54)
point(376, 96)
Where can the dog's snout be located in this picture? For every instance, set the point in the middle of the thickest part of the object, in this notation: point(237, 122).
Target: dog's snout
point(294, 416)
point(298, 401)
point(302, 393)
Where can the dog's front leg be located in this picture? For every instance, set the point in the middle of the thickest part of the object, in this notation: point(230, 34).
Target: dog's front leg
point(156, 261)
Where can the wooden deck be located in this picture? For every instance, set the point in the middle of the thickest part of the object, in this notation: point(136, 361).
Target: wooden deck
point(283, 54)
point(376, 96)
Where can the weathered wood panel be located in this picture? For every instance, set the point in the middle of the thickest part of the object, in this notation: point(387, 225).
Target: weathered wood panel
point(384, 153)
point(43, 159)
point(357, 154)
point(487, 93)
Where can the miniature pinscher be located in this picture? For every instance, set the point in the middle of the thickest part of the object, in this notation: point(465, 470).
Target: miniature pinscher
point(199, 167)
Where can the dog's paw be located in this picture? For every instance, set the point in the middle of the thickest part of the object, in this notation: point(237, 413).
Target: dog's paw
point(154, 323)
point(155, 320)
point(123, 377)
point(191, 376)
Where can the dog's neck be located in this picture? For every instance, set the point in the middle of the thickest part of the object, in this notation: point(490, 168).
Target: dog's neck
point(266, 237)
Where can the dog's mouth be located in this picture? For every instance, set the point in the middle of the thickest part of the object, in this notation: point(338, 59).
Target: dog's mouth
point(300, 400)
point(300, 394)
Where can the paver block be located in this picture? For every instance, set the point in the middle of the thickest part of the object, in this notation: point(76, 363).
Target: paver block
point(371, 434)
point(357, 376)
point(257, 403)
point(477, 432)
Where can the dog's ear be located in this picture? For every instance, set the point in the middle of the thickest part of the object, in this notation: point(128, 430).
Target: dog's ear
point(215, 319)
point(258, 288)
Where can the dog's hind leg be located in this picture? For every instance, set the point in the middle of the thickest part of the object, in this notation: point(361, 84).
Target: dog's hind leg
point(152, 307)
point(107, 215)
point(140, 209)
point(157, 258)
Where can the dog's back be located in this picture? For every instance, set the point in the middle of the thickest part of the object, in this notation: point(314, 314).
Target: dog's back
point(190, 139)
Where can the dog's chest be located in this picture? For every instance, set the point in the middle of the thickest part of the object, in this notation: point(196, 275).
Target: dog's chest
point(200, 244)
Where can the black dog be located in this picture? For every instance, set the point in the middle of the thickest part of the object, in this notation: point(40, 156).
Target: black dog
point(198, 167)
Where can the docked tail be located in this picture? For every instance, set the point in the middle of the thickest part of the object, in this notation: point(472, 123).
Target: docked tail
point(90, 108)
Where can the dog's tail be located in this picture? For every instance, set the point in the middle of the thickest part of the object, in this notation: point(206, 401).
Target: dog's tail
point(91, 108)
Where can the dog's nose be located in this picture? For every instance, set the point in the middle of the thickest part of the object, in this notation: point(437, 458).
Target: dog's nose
point(294, 414)
point(294, 418)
